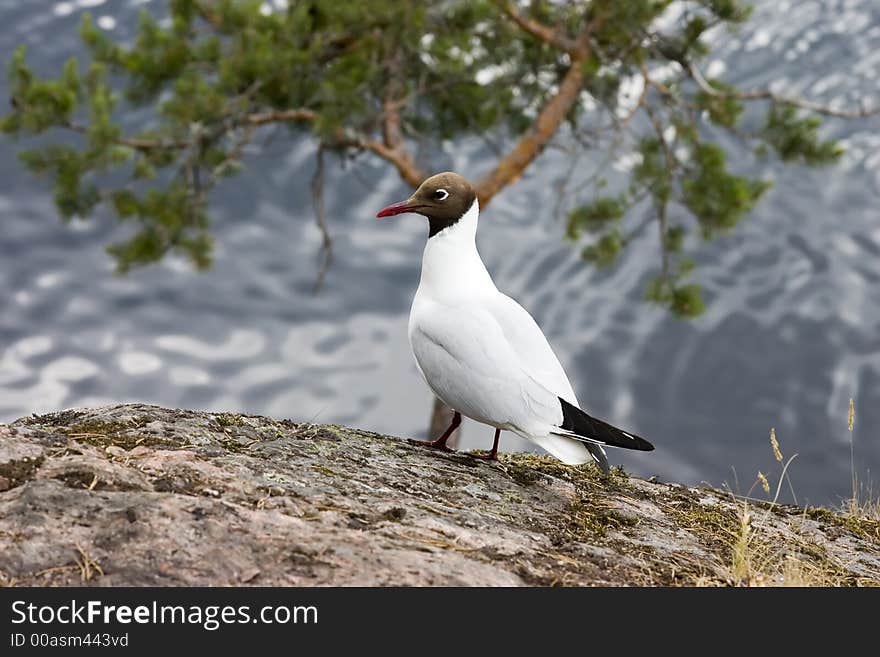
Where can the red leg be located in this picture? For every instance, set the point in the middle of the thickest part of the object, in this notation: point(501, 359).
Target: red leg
point(493, 455)
point(440, 443)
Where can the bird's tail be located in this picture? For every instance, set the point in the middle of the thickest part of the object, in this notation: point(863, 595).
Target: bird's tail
point(571, 451)
point(595, 433)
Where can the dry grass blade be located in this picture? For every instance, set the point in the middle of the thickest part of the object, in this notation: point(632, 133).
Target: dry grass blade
point(88, 567)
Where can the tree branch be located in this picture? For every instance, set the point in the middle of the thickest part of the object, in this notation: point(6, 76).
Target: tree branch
point(135, 142)
point(392, 148)
point(280, 116)
point(766, 94)
point(391, 133)
point(402, 161)
point(551, 116)
point(233, 156)
point(395, 155)
point(538, 30)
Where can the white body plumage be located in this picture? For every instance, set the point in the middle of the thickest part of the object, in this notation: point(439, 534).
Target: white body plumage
point(481, 352)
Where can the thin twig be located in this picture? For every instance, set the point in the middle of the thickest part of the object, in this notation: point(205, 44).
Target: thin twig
point(134, 142)
point(766, 94)
point(234, 155)
point(321, 220)
point(562, 186)
point(661, 207)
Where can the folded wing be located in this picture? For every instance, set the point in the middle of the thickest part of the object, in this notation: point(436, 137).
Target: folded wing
point(471, 365)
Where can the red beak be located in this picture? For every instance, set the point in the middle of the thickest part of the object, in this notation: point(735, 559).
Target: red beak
point(399, 208)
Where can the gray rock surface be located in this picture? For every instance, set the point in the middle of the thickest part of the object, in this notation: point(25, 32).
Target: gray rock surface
point(141, 495)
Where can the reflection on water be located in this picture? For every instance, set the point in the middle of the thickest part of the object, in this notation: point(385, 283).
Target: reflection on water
point(791, 331)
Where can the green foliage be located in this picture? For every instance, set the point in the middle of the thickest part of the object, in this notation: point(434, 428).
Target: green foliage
point(594, 216)
point(605, 251)
point(39, 104)
point(732, 11)
point(685, 301)
point(796, 138)
point(717, 198)
point(172, 220)
point(619, 18)
point(699, 182)
point(72, 196)
point(673, 239)
point(346, 73)
point(725, 109)
point(653, 172)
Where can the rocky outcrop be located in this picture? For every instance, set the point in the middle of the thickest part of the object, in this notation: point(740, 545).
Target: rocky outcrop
point(140, 495)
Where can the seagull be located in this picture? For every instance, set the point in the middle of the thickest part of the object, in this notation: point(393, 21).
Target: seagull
point(479, 351)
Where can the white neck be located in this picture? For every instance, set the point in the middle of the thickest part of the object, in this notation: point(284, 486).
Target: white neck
point(451, 266)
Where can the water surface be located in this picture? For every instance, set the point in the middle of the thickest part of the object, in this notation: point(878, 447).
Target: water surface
point(790, 335)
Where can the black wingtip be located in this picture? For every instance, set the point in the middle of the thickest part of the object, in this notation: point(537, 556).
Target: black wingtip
point(582, 424)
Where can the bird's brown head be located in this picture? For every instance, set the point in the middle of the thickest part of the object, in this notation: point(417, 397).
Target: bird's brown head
point(443, 198)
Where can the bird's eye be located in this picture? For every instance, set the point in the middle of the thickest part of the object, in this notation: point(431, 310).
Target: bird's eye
point(441, 195)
